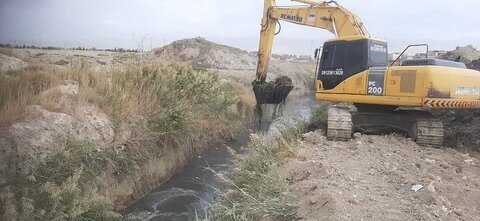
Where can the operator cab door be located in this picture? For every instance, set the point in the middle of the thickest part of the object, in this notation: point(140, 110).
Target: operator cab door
point(331, 71)
point(341, 60)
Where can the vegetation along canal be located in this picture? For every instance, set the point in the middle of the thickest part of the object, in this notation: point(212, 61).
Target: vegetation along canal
point(187, 194)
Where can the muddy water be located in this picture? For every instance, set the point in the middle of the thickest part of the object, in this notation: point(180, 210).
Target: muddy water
point(187, 194)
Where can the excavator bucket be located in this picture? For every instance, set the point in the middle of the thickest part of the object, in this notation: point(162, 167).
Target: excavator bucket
point(274, 92)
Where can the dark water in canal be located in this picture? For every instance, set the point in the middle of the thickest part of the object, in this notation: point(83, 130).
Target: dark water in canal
point(188, 193)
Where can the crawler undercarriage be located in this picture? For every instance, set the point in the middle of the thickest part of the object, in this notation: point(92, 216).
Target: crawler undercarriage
point(421, 126)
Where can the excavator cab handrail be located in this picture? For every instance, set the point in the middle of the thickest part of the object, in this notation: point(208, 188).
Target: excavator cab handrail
point(403, 52)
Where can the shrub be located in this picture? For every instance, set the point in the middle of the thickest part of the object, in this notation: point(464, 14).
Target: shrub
point(64, 188)
point(319, 117)
point(256, 190)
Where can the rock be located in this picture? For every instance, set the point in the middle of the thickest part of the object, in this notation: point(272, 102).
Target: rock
point(444, 166)
point(306, 135)
point(458, 212)
point(41, 135)
point(417, 187)
point(429, 161)
point(431, 188)
point(419, 166)
point(254, 137)
point(458, 170)
point(445, 209)
point(46, 131)
point(93, 126)
point(313, 200)
point(357, 135)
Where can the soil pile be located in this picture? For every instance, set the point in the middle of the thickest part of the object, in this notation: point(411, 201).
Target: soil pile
point(201, 53)
point(461, 128)
point(382, 178)
point(465, 54)
point(474, 65)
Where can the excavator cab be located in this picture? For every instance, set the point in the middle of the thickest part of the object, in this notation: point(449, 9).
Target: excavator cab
point(344, 57)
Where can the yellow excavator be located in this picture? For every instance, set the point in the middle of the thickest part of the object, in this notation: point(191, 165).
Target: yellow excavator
point(354, 68)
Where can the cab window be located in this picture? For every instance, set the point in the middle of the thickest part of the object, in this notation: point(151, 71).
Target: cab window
point(334, 56)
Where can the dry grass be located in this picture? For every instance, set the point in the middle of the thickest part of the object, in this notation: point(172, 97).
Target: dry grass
point(133, 91)
point(246, 102)
point(7, 52)
point(20, 89)
point(256, 191)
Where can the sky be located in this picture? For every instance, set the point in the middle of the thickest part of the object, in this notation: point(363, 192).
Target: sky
point(444, 24)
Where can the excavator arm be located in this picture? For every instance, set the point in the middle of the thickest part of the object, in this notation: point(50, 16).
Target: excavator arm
point(325, 15)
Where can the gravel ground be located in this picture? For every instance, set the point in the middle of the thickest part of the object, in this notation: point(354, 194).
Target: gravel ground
point(374, 177)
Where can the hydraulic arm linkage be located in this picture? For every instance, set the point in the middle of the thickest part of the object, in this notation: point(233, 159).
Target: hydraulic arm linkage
point(325, 15)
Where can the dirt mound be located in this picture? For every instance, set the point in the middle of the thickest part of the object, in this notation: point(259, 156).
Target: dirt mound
point(466, 54)
point(201, 53)
point(43, 133)
point(381, 178)
point(474, 65)
point(461, 128)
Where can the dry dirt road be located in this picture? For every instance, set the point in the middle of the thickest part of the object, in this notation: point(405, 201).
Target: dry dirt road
point(373, 177)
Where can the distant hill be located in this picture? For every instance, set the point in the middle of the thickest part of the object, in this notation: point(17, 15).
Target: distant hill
point(201, 53)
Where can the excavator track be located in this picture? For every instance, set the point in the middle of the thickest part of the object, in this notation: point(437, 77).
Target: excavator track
point(421, 126)
point(339, 127)
point(429, 130)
